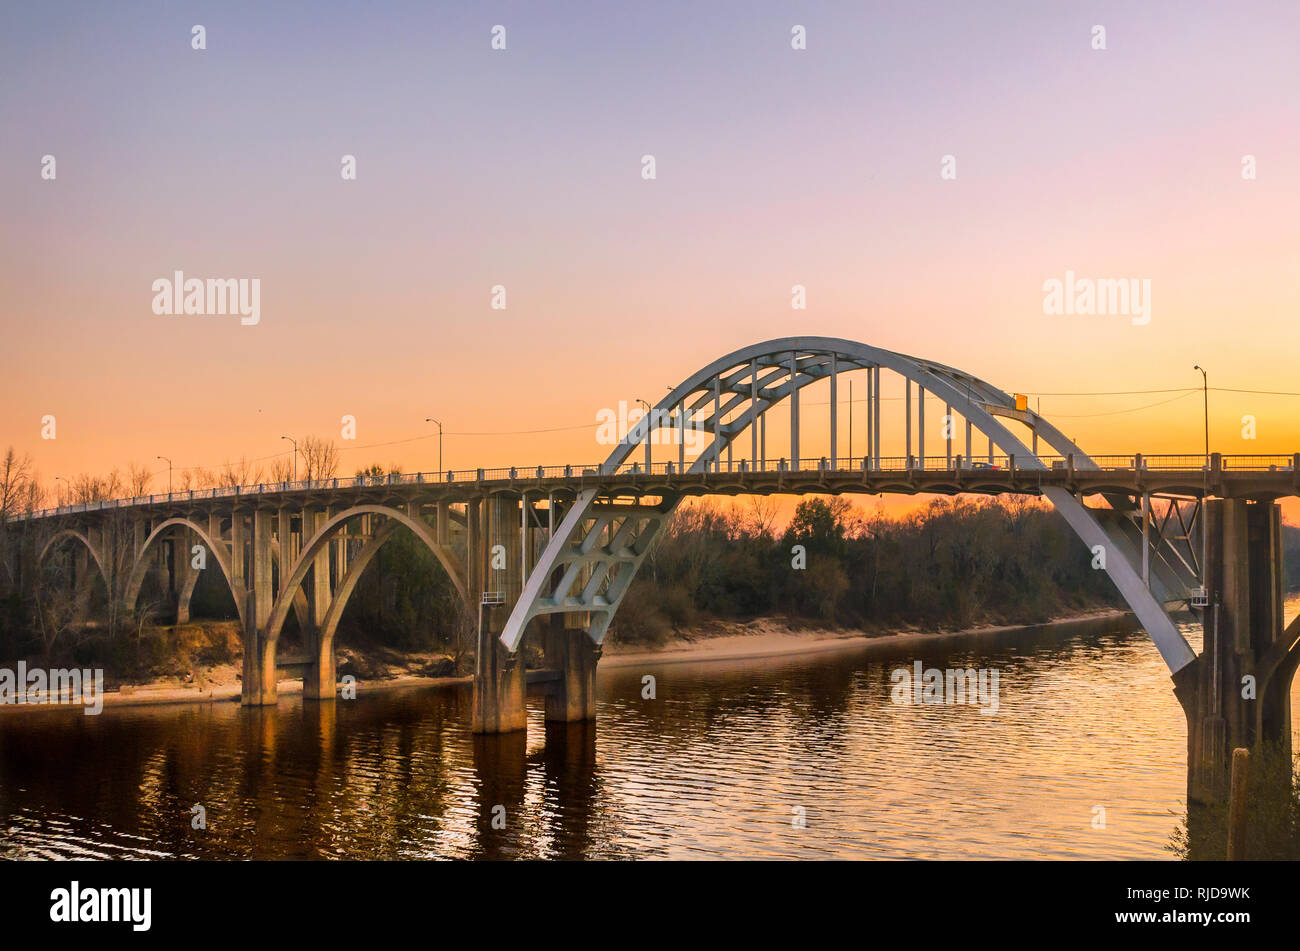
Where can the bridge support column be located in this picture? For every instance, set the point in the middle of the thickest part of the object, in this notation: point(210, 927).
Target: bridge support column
point(500, 689)
point(184, 574)
point(1237, 692)
point(319, 680)
point(572, 653)
point(259, 687)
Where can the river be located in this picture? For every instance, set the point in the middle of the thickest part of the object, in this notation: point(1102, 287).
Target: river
point(799, 756)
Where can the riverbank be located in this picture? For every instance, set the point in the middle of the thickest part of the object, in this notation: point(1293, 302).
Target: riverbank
point(712, 642)
point(772, 637)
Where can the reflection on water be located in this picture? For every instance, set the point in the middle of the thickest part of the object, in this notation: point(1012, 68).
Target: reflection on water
point(718, 765)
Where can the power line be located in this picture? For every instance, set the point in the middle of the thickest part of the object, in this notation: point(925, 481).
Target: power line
point(1190, 389)
point(1118, 412)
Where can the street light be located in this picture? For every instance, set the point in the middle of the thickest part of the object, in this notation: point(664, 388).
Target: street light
point(430, 419)
point(1205, 391)
point(295, 456)
point(1205, 525)
point(648, 421)
point(65, 482)
point(169, 474)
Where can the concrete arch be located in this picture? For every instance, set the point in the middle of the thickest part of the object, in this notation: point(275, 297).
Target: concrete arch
point(323, 536)
point(339, 602)
point(81, 537)
point(215, 548)
point(752, 380)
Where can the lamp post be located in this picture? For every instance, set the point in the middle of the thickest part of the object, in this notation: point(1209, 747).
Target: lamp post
point(648, 421)
point(295, 456)
point(169, 474)
point(1205, 392)
point(430, 419)
point(65, 482)
point(1205, 533)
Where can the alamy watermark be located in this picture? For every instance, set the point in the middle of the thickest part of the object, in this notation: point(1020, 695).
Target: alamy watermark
point(929, 685)
point(666, 428)
point(73, 904)
point(55, 686)
point(1106, 296)
point(213, 297)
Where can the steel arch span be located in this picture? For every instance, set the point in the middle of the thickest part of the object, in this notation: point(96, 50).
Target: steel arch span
point(593, 554)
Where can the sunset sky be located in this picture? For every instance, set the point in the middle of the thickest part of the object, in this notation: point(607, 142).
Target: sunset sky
point(522, 167)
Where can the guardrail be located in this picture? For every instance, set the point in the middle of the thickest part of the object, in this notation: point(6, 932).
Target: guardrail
point(1177, 462)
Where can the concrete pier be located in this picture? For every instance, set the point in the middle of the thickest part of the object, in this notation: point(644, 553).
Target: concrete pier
point(500, 687)
point(1237, 693)
point(573, 697)
point(259, 683)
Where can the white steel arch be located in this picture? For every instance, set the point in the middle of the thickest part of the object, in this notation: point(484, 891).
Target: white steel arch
point(600, 545)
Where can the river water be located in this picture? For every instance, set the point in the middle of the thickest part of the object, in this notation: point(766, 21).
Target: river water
point(801, 756)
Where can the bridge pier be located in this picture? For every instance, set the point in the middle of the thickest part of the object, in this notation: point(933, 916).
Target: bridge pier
point(1238, 690)
point(184, 575)
point(500, 687)
point(260, 681)
point(319, 680)
point(571, 652)
point(320, 676)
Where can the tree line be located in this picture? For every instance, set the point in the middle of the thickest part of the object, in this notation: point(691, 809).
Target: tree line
point(953, 563)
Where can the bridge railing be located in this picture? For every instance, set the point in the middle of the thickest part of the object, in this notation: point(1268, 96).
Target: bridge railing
point(886, 464)
point(1262, 463)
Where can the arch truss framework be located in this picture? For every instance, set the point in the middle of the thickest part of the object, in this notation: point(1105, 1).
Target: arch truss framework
point(595, 551)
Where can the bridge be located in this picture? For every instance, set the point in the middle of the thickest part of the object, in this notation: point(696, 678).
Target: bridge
point(549, 551)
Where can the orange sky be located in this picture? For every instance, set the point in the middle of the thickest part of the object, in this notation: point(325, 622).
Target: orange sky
point(775, 168)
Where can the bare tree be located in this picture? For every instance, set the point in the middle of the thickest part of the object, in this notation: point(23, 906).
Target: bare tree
point(320, 458)
point(20, 492)
point(242, 472)
point(138, 479)
point(282, 470)
point(88, 488)
point(196, 479)
point(35, 497)
point(760, 518)
point(56, 614)
point(17, 479)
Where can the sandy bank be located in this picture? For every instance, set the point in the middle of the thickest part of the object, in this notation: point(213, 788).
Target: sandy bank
point(769, 638)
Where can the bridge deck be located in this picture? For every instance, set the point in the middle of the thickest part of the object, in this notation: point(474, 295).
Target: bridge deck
point(1252, 477)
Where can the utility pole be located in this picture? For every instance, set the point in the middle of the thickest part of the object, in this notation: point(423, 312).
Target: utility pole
point(295, 456)
point(430, 419)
